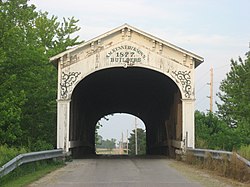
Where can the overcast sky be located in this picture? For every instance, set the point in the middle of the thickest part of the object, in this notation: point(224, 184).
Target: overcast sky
point(217, 30)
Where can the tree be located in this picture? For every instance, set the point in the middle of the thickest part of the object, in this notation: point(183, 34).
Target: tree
point(141, 142)
point(107, 144)
point(98, 138)
point(235, 96)
point(10, 112)
point(28, 81)
point(213, 133)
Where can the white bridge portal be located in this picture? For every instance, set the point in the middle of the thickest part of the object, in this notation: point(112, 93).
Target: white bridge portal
point(129, 71)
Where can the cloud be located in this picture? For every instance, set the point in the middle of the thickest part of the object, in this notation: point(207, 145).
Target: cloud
point(103, 9)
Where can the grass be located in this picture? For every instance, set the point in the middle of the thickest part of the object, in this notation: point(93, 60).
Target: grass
point(244, 151)
point(7, 153)
point(29, 173)
point(234, 169)
point(103, 151)
point(205, 177)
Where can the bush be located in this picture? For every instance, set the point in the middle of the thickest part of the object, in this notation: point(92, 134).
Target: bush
point(244, 151)
point(7, 153)
point(41, 167)
point(30, 172)
point(41, 145)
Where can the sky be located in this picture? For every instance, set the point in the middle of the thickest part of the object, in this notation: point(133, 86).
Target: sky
point(217, 30)
point(120, 123)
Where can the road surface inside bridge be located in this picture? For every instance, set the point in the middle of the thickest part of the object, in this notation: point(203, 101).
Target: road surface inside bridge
point(117, 172)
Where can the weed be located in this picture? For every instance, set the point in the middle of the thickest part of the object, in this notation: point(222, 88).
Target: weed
point(244, 151)
point(233, 168)
point(30, 172)
point(7, 153)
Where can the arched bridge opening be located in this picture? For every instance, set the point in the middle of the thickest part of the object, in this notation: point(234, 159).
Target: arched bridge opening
point(148, 94)
point(120, 134)
point(126, 71)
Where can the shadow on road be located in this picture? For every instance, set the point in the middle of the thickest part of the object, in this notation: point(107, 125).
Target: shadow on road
point(123, 157)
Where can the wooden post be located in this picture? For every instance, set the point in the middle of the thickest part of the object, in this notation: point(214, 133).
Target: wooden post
point(211, 89)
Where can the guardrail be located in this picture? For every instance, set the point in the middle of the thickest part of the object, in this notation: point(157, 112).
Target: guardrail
point(29, 157)
point(216, 154)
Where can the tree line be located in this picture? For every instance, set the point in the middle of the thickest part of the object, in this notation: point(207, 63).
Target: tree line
point(228, 128)
point(28, 83)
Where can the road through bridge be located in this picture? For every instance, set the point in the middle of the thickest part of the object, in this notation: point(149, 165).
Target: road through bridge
point(110, 172)
point(150, 170)
point(126, 71)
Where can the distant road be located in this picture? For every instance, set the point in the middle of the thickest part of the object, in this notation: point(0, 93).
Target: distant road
point(107, 172)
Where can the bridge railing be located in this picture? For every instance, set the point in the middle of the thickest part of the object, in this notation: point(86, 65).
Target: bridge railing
point(29, 157)
point(216, 154)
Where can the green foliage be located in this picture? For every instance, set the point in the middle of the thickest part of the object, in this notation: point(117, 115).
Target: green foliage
point(235, 96)
point(28, 81)
point(98, 138)
point(28, 173)
point(213, 133)
point(107, 144)
point(229, 129)
point(141, 142)
point(41, 145)
point(244, 151)
point(6, 153)
point(10, 112)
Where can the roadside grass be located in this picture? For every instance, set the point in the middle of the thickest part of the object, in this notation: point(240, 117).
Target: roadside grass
point(244, 151)
point(28, 173)
point(8, 153)
point(205, 177)
point(234, 169)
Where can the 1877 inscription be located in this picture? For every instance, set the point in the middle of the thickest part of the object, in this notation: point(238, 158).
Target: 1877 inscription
point(125, 54)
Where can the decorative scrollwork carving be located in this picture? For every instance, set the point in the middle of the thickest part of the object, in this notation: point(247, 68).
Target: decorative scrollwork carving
point(184, 78)
point(67, 81)
point(94, 51)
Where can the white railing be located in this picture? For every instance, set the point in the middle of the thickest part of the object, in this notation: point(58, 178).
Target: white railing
point(216, 154)
point(29, 157)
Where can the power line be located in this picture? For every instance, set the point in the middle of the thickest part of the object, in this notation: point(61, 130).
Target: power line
point(211, 96)
point(200, 102)
point(202, 77)
point(220, 67)
point(201, 88)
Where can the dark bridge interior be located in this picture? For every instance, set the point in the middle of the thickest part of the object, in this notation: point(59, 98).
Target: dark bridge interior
point(147, 94)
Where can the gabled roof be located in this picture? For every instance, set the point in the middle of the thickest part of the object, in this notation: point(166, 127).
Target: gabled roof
point(198, 59)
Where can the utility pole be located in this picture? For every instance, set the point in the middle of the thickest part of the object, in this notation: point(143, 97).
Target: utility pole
point(127, 141)
point(211, 89)
point(136, 136)
point(122, 144)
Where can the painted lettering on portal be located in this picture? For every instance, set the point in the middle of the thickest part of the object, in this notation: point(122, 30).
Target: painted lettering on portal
point(125, 54)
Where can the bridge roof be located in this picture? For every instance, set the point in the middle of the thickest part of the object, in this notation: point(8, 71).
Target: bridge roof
point(198, 59)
